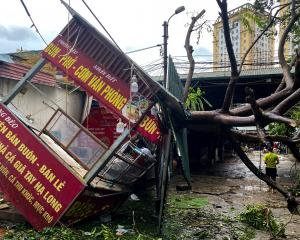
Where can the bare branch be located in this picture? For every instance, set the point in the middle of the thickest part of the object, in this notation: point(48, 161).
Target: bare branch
point(287, 103)
point(252, 167)
point(291, 143)
point(234, 73)
point(285, 67)
point(264, 103)
point(244, 137)
point(292, 202)
point(258, 114)
point(189, 52)
point(291, 64)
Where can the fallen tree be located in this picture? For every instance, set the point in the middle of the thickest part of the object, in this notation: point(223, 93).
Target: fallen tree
point(257, 112)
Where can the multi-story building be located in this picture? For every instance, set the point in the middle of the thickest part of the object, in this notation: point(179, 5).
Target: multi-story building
point(242, 37)
point(288, 46)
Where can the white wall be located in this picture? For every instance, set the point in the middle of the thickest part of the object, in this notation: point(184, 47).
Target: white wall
point(31, 103)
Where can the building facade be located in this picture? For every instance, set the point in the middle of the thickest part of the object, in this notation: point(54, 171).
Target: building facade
point(36, 101)
point(242, 37)
point(288, 46)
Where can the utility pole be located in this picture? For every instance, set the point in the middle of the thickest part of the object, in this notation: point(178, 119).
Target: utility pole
point(165, 36)
point(165, 44)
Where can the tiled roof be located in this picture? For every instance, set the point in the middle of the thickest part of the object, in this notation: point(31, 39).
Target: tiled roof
point(16, 71)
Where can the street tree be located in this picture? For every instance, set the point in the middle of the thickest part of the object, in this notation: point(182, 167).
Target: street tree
point(257, 112)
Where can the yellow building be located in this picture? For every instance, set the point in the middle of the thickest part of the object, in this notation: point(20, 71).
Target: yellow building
point(288, 46)
point(262, 53)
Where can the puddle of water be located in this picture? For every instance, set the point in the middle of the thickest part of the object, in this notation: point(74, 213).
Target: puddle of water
point(256, 188)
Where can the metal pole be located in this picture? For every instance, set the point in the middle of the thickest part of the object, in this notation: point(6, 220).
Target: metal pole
point(165, 36)
point(21, 84)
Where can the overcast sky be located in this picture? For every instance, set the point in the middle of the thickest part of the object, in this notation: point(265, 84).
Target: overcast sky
point(134, 24)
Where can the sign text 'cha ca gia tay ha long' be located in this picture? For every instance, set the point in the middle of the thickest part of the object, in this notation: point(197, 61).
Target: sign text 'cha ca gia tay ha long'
point(35, 181)
point(102, 85)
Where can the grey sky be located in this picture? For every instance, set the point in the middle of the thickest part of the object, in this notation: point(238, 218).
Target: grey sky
point(134, 24)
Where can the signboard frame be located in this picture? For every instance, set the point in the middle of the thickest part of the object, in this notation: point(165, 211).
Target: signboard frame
point(37, 183)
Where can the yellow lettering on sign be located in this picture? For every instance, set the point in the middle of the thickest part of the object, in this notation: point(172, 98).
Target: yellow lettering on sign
point(52, 201)
point(40, 188)
point(47, 217)
point(27, 153)
point(149, 125)
point(4, 170)
point(29, 177)
point(38, 207)
point(47, 173)
point(27, 195)
point(3, 128)
point(3, 148)
point(67, 61)
point(52, 50)
point(105, 90)
point(83, 73)
point(10, 157)
point(113, 97)
point(20, 167)
point(96, 83)
point(12, 138)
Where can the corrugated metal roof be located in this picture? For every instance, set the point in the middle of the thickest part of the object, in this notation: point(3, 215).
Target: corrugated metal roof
point(106, 54)
point(244, 73)
point(175, 85)
point(277, 71)
point(5, 58)
point(16, 71)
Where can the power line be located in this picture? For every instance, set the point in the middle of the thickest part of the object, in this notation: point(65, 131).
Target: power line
point(91, 11)
point(33, 24)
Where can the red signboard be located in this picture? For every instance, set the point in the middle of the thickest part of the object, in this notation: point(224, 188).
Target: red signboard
point(106, 88)
point(91, 203)
point(102, 124)
point(34, 180)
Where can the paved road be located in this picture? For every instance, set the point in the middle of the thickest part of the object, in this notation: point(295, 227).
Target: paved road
point(230, 185)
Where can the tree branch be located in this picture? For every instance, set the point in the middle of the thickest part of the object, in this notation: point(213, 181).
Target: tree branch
point(282, 83)
point(252, 167)
point(263, 103)
point(229, 120)
point(258, 114)
point(234, 72)
point(291, 200)
point(285, 67)
point(287, 103)
point(189, 52)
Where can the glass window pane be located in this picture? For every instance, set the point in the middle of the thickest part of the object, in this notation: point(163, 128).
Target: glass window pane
point(62, 128)
point(86, 149)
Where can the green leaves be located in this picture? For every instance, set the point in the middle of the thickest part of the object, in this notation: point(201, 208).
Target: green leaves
point(261, 217)
point(282, 129)
point(196, 100)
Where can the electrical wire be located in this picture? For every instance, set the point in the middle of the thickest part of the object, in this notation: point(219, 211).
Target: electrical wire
point(91, 11)
point(33, 24)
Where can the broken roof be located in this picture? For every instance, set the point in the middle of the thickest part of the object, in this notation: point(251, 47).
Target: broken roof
point(108, 55)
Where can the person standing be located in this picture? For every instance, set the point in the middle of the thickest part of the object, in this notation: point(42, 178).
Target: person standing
point(271, 160)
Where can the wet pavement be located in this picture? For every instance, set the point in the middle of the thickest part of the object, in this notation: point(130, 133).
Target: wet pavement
point(229, 186)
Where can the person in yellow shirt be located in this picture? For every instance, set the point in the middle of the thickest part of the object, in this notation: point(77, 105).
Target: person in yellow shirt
point(271, 160)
